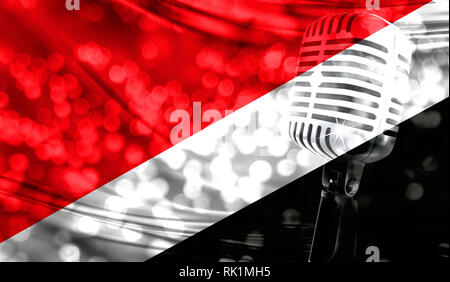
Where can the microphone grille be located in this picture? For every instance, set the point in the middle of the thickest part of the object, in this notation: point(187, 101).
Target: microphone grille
point(351, 93)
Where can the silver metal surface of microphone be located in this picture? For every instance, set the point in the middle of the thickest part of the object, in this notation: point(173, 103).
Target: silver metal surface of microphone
point(356, 94)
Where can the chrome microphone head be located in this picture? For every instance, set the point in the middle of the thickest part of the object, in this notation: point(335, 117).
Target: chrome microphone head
point(355, 95)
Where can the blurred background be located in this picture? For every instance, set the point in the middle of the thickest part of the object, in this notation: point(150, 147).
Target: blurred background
point(185, 190)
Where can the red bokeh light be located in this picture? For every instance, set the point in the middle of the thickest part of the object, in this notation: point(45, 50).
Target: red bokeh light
point(4, 99)
point(18, 162)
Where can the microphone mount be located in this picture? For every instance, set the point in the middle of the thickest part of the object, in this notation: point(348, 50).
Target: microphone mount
point(342, 177)
point(335, 233)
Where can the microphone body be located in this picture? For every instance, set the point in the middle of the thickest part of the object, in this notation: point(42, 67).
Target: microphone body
point(351, 96)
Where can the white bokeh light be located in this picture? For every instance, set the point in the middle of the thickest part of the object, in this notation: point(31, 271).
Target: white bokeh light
point(88, 225)
point(174, 158)
point(260, 171)
point(286, 167)
point(154, 189)
point(131, 233)
point(70, 253)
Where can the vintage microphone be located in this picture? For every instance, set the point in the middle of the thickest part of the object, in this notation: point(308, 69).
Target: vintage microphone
point(351, 98)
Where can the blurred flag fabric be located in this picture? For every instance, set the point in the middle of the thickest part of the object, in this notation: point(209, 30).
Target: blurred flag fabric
point(86, 96)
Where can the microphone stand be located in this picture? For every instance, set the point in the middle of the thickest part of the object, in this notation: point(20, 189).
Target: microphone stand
point(335, 232)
